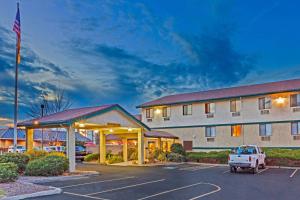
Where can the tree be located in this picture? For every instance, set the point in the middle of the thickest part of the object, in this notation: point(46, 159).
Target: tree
point(56, 103)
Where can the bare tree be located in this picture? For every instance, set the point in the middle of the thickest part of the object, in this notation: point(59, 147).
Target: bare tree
point(59, 102)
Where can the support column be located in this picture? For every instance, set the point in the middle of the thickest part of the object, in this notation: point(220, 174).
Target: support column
point(140, 147)
point(125, 149)
point(102, 146)
point(159, 143)
point(71, 148)
point(29, 139)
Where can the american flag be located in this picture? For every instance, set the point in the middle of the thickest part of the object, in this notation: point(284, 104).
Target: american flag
point(17, 30)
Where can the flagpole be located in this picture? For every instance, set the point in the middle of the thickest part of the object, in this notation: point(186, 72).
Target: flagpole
point(16, 96)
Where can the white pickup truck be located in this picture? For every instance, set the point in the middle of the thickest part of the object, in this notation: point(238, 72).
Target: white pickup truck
point(246, 156)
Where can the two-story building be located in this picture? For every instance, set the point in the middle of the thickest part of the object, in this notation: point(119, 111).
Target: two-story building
point(264, 114)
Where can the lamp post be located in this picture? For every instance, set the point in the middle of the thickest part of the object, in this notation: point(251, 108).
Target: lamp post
point(42, 141)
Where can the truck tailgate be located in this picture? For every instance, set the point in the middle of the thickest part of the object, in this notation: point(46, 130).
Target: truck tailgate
point(235, 158)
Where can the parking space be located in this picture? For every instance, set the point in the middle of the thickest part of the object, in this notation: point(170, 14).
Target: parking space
point(182, 182)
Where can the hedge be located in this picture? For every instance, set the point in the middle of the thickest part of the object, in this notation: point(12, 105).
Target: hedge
point(19, 159)
point(91, 157)
point(50, 165)
point(212, 156)
point(293, 154)
point(8, 172)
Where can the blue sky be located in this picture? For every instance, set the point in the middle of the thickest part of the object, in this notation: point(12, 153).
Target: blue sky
point(129, 52)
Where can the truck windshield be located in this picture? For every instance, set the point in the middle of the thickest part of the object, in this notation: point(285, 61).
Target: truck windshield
point(245, 150)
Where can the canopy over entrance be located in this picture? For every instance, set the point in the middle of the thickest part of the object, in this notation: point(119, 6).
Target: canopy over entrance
point(106, 119)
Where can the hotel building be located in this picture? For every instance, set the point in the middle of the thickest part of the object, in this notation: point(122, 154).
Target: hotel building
point(264, 114)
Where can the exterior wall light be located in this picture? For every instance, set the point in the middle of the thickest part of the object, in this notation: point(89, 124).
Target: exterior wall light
point(129, 129)
point(110, 130)
point(81, 125)
point(35, 122)
point(280, 100)
point(157, 111)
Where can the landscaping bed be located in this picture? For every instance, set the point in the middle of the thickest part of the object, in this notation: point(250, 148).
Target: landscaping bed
point(213, 157)
point(20, 188)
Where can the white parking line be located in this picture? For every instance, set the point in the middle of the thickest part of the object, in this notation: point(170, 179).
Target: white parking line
point(195, 168)
point(226, 172)
point(184, 187)
point(291, 176)
point(109, 180)
point(125, 187)
point(262, 170)
point(81, 195)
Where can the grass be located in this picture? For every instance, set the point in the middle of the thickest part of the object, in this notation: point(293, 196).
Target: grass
point(221, 156)
point(293, 154)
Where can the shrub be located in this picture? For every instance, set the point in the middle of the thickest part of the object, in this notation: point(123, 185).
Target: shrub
point(92, 157)
point(36, 154)
point(8, 172)
point(114, 159)
point(55, 153)
point(220, 156)
point(177, 148)
point(293, 154)
point(19, 159)
point(47, 166)
point(162, 157)
point(176, 157)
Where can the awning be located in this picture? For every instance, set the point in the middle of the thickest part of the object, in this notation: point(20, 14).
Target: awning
point(160, 134)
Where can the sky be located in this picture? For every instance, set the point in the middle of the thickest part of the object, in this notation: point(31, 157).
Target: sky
point(129, 52)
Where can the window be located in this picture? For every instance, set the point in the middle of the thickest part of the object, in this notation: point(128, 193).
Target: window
point(235, 105)
point(166, 112)
point(210, 131)
point(149, 113)
point(295, 100)
point(209, 108)
point(236, 130)
point(265, 129)
point(295, 128)
point(187, 109)
point(264, 103)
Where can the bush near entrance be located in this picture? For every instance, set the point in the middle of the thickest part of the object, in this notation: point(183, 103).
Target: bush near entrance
point(19, 159)
point(114, 159)
point(92, 157)
point(177, 148)
point(50, 165)
point(8, 172)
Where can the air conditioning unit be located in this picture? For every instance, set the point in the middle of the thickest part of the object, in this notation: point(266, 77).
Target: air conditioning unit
point(210, 115)
point(166, 118)
point(265, 112)
point(266, 138)
point(296, 137)
point(297, 109)
point(236, 114)
point(210, 139)
point(149, 120)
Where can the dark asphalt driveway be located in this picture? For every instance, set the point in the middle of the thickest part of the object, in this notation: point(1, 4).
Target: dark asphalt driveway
point(180, 182)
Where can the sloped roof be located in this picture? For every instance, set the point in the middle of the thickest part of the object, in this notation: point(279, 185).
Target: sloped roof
point(49, 135)
point(223, 93)
point(70, 115)
point(160, 134)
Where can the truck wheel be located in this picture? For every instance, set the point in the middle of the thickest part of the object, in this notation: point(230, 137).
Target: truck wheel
point(255, 169)
point(233, 169)
point(263, 166)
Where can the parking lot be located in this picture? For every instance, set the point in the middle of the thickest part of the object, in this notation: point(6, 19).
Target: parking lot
point(184, 181)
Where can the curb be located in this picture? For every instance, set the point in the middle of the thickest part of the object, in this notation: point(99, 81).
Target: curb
point(53, 191)
point(226, 165)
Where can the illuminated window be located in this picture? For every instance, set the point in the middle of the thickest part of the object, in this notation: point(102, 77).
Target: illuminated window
point(209, 108)
point(236, 130)
point(149, 113)
point(264, 103)
point(166, 112)
point(187, 109)
point(235, 105)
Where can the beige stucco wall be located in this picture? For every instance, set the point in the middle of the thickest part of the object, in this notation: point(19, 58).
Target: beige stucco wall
point(281, 136)
point(249, 113)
